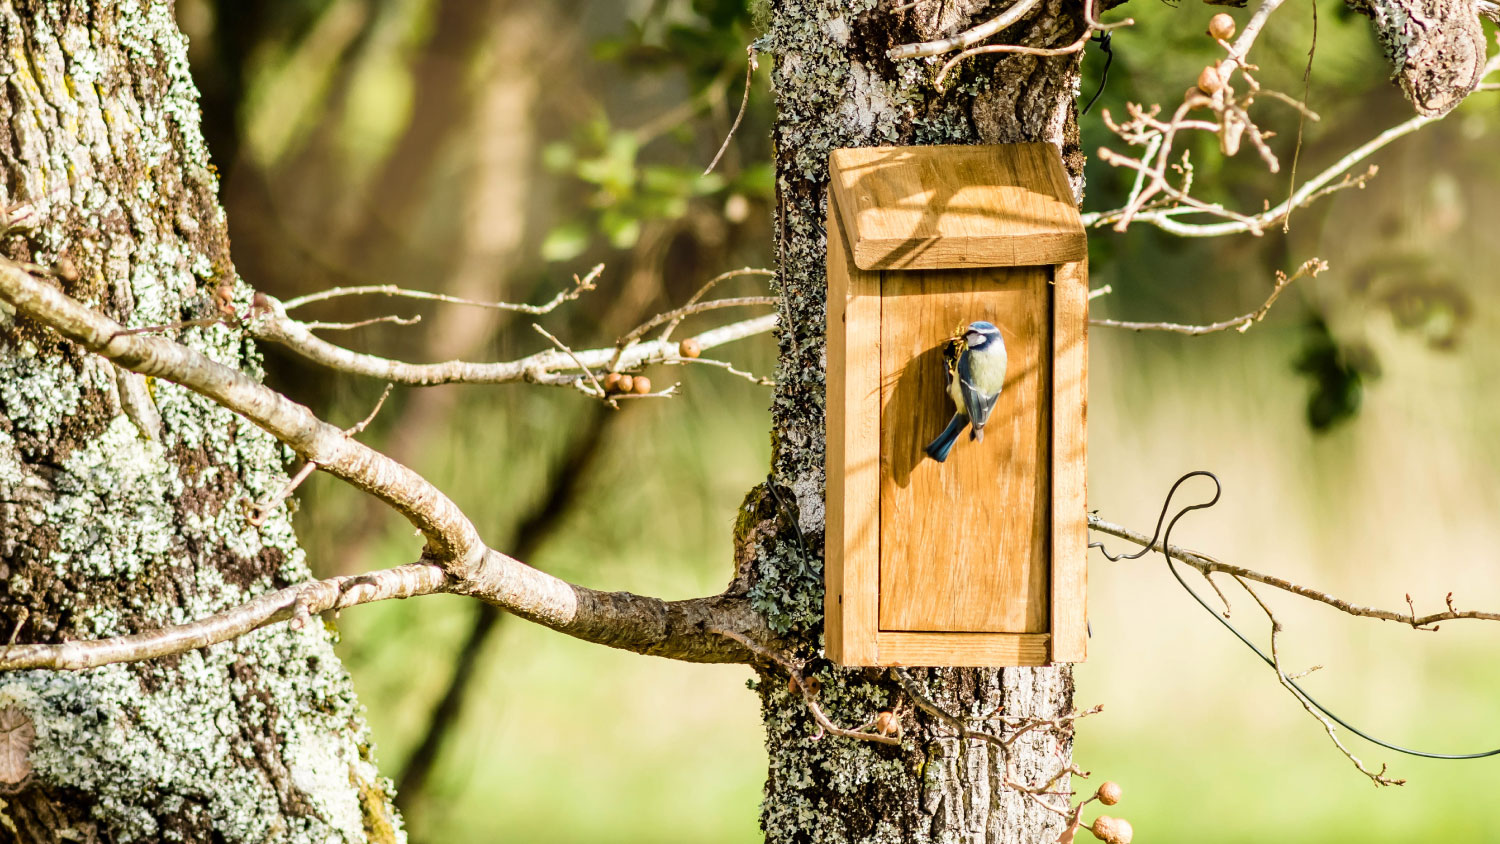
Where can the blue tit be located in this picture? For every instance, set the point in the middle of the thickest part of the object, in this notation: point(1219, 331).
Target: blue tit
point(976, 373)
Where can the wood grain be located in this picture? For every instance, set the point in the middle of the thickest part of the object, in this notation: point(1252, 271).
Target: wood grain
point(1069, 463)
point(946, 207)
point(961, 649)
point(852, 555)
point(964, 544)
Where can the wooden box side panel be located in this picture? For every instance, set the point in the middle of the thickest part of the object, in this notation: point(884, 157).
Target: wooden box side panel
point(964, 543)
point(852, 401)
point(1069, 466)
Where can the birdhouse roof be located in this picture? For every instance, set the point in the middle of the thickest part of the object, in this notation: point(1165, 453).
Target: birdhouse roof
point(948, 207)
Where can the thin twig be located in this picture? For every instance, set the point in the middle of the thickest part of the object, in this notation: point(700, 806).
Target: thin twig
point(807, 695)
point(1240, 323)
point(345, 326)
point(666, 333)
point(580, 286)
point(1378, 778)
point(750, 67)
point(1209, 565)
point(601, 393)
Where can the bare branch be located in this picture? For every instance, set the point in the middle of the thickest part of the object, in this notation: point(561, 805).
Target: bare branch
point(967, 38)
point(345, 326)
point(580, 286)
point(1208, 565)
point(673, 629)
point(666, 333)
point(808, 696)
point(1240, 323)
point(549, 367)
point(1378, 778)
point(599, 390)
point(335, 593)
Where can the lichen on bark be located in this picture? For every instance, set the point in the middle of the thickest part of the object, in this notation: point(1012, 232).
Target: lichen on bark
point(108, 529)
point(836, 88)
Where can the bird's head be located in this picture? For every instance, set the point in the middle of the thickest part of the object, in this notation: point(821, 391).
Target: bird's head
point(980, 334)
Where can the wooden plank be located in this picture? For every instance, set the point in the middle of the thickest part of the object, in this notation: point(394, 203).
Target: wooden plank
point(962, 649)
point(964, 544)
point(1069, 472)
point(944, 207)
point(852, 557)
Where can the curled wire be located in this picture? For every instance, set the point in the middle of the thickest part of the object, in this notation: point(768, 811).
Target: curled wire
point(1102, 39)
point(1165, 536)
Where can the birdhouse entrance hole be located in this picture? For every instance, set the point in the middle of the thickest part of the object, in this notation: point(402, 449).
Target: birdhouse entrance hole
point(978, 560)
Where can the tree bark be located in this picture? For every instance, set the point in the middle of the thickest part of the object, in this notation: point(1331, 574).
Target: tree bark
point(124, 499)
point(835, 87)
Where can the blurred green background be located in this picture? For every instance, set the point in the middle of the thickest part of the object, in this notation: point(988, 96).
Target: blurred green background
point(493, 148)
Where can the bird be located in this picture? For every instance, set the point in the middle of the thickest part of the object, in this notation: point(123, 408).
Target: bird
point(975, 360)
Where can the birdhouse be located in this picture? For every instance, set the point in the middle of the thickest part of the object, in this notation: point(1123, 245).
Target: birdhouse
point(979, 559)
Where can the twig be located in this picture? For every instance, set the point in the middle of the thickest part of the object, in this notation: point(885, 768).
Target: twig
point(1378, 778)
point(335, 593)
point(1209, 565)
point(688, 310)
point(807, 695)
point(967, 38)
point(360, 426)
point(580, 286)
point(666, 333)
point(1240, 323)
point(345, 326)
point(601, 393)
point(750, 67)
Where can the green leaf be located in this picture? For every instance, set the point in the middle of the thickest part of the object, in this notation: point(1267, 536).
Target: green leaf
point(565, 242)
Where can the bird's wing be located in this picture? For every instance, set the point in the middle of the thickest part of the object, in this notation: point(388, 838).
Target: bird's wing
point(976, 403)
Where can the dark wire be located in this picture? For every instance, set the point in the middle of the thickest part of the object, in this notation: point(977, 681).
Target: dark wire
point(1171, 566)
point(792, 519)
point(1102, 38)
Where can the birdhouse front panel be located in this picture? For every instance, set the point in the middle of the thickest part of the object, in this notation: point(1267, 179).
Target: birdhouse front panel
point(979, 563)
point(957, 317)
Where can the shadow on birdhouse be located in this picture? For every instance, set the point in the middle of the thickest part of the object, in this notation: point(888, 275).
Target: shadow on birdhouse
point(978, 559)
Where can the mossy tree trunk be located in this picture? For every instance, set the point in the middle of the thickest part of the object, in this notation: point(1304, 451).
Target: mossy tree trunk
point(836, 88)
point(122, 501)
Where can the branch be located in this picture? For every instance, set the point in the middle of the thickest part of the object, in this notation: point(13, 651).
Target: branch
point(1378, 778)
point(580, 286)
point(302, 600)
point(967, 38)
point(551, 367)
point(1240, 323)
point(674, 629)
point(1208, 565)
point(808, 696)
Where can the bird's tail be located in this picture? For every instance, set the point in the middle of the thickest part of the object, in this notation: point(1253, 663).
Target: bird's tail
point(938, 449)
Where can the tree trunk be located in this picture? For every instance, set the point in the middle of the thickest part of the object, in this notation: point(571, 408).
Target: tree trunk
point(836, 88)
point(124, 500)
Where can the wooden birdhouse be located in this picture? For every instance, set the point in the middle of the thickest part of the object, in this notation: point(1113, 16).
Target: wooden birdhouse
point(979, 560)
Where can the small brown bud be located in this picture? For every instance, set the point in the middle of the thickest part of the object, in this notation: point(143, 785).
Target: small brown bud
point(1112, 830)
point(66, 269)
point(642, 385)
point(689, 348)
point(224, 298)
point(259, 304)
point(1209, 81)
point(791, 685)
point(611, 382)
point(1221, 27)
point(813, 685)
point(887, 724)
point(1110, 793)
point(626, 384)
